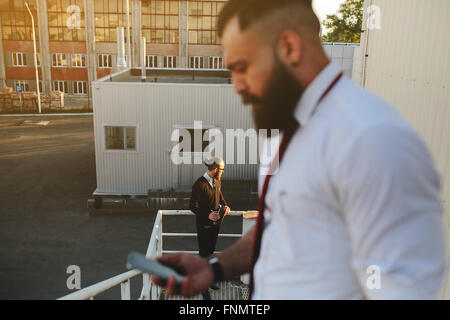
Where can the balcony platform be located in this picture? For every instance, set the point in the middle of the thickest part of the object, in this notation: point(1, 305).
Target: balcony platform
point(228, 290)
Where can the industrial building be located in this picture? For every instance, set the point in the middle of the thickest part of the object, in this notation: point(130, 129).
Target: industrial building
point(77, 41)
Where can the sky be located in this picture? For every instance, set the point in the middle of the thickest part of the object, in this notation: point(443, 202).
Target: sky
point(324, 7)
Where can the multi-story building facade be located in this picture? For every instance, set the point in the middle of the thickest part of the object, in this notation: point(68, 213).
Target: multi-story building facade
point(77, 40)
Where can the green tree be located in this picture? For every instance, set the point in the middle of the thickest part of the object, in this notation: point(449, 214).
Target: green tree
point(345, 25)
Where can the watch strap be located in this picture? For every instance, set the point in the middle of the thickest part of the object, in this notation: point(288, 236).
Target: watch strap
point(217, 269)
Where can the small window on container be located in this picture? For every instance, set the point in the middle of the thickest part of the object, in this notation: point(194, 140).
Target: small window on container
point(131, 138)
point(120, 138)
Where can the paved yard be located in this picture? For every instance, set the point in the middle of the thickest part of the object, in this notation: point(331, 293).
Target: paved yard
point(47, 173)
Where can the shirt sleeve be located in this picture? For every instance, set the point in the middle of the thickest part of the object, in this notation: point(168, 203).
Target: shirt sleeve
point(389, 192)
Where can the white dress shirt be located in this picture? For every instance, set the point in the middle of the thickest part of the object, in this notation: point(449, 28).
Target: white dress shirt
point(356, 188)
point(210, 180)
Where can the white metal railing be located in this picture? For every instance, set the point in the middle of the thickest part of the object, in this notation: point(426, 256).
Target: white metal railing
point(90, 292)
point(150, 291)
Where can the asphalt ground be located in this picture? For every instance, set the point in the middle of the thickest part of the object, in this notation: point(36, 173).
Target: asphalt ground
point(47, 173)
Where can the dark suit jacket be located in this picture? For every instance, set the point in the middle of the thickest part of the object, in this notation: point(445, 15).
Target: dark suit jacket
point(204, 200)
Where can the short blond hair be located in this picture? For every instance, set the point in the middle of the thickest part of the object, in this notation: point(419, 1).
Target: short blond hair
point(213, 162)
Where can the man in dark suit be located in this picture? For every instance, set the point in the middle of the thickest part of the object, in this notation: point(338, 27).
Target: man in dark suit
point(206, 199)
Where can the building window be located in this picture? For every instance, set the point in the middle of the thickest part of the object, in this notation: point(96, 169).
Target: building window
point(59, 60)
point(60, 86)
point(196, 62)
point(66, 20)
point(202, 21)
point(104, 61)
point(160, 21)
point(23, 84)
point(40, 86)
point(109, 14)
point(16, 21)
point(19, 59)
point(151, 61)
point(170, 62)
point(216, 63)
point(80, 87)
point(38, 59)
point(120, 138)
point(78, 60)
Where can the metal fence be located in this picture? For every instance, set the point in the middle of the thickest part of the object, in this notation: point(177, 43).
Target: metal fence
point(150, 291)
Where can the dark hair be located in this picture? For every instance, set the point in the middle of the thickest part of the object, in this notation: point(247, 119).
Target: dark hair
point(250, 11)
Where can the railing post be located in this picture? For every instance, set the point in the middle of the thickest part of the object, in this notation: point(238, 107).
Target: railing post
point(247, 224)
point(159, 251)
point(145, 295)
point(149, 291)
point(160, 239)
point(125, 290)
point(154, 291)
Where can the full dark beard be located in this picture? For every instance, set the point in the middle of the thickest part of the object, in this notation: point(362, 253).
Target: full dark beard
point(275, 109)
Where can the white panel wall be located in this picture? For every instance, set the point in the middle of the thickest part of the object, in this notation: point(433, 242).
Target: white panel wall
point(155, 108)
point(408, 64)
point(342, 54)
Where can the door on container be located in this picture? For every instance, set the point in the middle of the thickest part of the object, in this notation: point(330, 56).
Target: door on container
point(188, 172)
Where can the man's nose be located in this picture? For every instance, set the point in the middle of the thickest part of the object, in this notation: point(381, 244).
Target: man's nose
point(240, 85)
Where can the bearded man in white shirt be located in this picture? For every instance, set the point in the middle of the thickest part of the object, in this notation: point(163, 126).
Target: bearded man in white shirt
point(356, 194)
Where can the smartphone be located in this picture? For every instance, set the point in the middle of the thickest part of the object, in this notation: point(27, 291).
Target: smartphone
point(151, 266)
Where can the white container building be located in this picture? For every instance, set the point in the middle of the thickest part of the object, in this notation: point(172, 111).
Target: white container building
point(134, 122)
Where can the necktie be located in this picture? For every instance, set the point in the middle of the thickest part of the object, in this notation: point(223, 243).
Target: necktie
point(287, 136)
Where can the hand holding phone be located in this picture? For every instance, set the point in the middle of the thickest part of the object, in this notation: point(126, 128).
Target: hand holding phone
point(151, 266)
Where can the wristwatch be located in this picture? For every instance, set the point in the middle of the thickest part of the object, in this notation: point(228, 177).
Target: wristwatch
point(217, 269)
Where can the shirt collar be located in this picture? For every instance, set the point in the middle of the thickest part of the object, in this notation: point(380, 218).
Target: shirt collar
point(207, 177)
point(313, 92)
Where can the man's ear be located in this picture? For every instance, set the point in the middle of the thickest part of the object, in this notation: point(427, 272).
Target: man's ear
point(289, 48)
